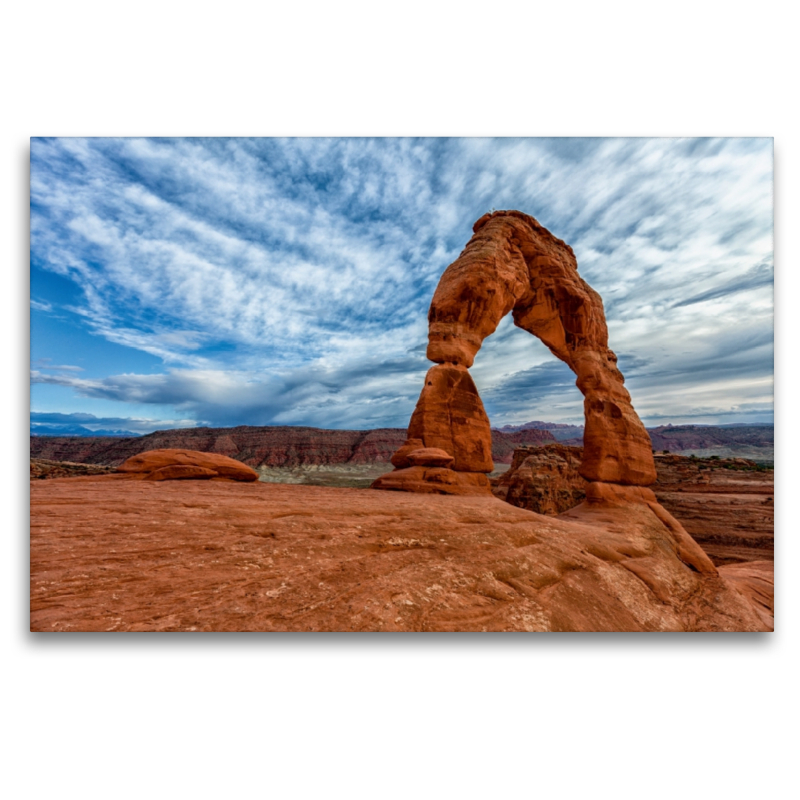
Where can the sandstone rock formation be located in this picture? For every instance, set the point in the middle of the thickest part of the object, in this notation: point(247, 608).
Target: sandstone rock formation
point(450, 415)
point(514, 265)
point(170, 465)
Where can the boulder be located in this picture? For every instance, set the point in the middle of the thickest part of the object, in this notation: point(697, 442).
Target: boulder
point(430, 457)
point(163, 465)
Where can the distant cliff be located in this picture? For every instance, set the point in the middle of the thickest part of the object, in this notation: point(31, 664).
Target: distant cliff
point(278, 446)
point(676, 438)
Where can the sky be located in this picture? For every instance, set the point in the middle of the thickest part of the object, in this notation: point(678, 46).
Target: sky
point(222, 282)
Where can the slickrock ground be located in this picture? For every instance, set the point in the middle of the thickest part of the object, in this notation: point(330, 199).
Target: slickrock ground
point(113, 554)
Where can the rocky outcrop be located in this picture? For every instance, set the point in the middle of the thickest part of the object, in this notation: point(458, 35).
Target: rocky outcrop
point(43, 468)
point(546, 479)
point(725, 505)
point(514, 265)
point(171, 465)
point(279, 446)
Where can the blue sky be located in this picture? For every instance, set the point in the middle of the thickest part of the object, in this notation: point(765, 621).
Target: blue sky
point(286, 281)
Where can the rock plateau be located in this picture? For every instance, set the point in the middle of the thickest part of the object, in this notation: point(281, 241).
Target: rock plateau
point(261, 446)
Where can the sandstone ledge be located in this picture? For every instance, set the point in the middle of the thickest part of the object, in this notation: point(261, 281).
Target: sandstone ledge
point(115, 554)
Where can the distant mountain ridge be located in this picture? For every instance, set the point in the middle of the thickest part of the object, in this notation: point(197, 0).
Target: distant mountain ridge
point(76, 430)
point(561, 431)
point(290, 446)
point(672, 437)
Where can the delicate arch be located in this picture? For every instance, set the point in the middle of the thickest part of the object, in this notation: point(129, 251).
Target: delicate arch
point(514, 265)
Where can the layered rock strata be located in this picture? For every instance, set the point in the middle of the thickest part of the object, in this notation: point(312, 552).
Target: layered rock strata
point(514, 265)
point(279, 446)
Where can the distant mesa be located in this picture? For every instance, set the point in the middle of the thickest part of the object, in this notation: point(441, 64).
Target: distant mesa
point(514, 265)
point(171, 465)
point(262, 446)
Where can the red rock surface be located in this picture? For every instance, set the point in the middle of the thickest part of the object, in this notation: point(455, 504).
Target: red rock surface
point(180, 472)
point(514, 265)
point(726, 505)
point(280, 446)
point(434, 480)
point(430, 457)
point(113, 554)
point(450, 415)
point(170, 465)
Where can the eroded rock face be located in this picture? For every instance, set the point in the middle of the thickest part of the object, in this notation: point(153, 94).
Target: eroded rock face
point(450, 416)
point(514, 265)
point(546, 479)
point(166, 465)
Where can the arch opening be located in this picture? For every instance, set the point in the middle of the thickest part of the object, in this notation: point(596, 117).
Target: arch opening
point(519, 380)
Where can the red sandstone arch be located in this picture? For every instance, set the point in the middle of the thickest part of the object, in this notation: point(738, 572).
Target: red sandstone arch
point(514, 265)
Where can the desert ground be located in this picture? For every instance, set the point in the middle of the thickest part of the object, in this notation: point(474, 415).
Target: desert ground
point(110, 554)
